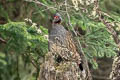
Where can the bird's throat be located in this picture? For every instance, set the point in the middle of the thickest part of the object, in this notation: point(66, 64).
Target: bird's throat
point(57, 22)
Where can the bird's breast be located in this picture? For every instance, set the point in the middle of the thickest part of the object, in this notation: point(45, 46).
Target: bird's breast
point(58, 33)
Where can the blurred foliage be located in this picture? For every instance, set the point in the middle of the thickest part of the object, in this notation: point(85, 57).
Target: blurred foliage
point(97, 41)
point(27, 43)
point(24, 44)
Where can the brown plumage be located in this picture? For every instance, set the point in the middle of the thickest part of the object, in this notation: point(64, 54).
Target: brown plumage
point(61, 43)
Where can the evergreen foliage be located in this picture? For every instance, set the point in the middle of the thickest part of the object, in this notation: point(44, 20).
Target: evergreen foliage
point(27, 44)
point(24, 44)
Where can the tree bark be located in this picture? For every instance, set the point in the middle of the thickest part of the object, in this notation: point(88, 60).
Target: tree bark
point(66, 70)
point(115, 74)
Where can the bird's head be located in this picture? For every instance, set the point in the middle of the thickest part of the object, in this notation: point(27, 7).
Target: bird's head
point(57, 18)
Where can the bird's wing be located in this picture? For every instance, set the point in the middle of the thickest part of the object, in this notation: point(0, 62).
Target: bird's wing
point(64, 46)
point(71, 46)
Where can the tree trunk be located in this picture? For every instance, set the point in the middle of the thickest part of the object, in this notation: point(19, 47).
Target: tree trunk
point(66, 70)
point(115, 74)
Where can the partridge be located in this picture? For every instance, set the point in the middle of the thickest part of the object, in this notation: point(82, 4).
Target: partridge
point(61, 43)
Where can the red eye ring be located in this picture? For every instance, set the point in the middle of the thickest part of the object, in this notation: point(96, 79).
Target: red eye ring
point(56, 17)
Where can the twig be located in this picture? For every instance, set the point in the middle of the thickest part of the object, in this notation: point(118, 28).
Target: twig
point(37, 2)
point(68, 16)
point(42, 4)
point(79, 44)
point(2, 40)
point(32, 60)
point(108, 25)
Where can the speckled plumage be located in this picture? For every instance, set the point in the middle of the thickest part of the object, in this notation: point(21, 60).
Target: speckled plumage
point(61, 43)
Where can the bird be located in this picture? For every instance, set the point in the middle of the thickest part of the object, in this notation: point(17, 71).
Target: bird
point(61, 43)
